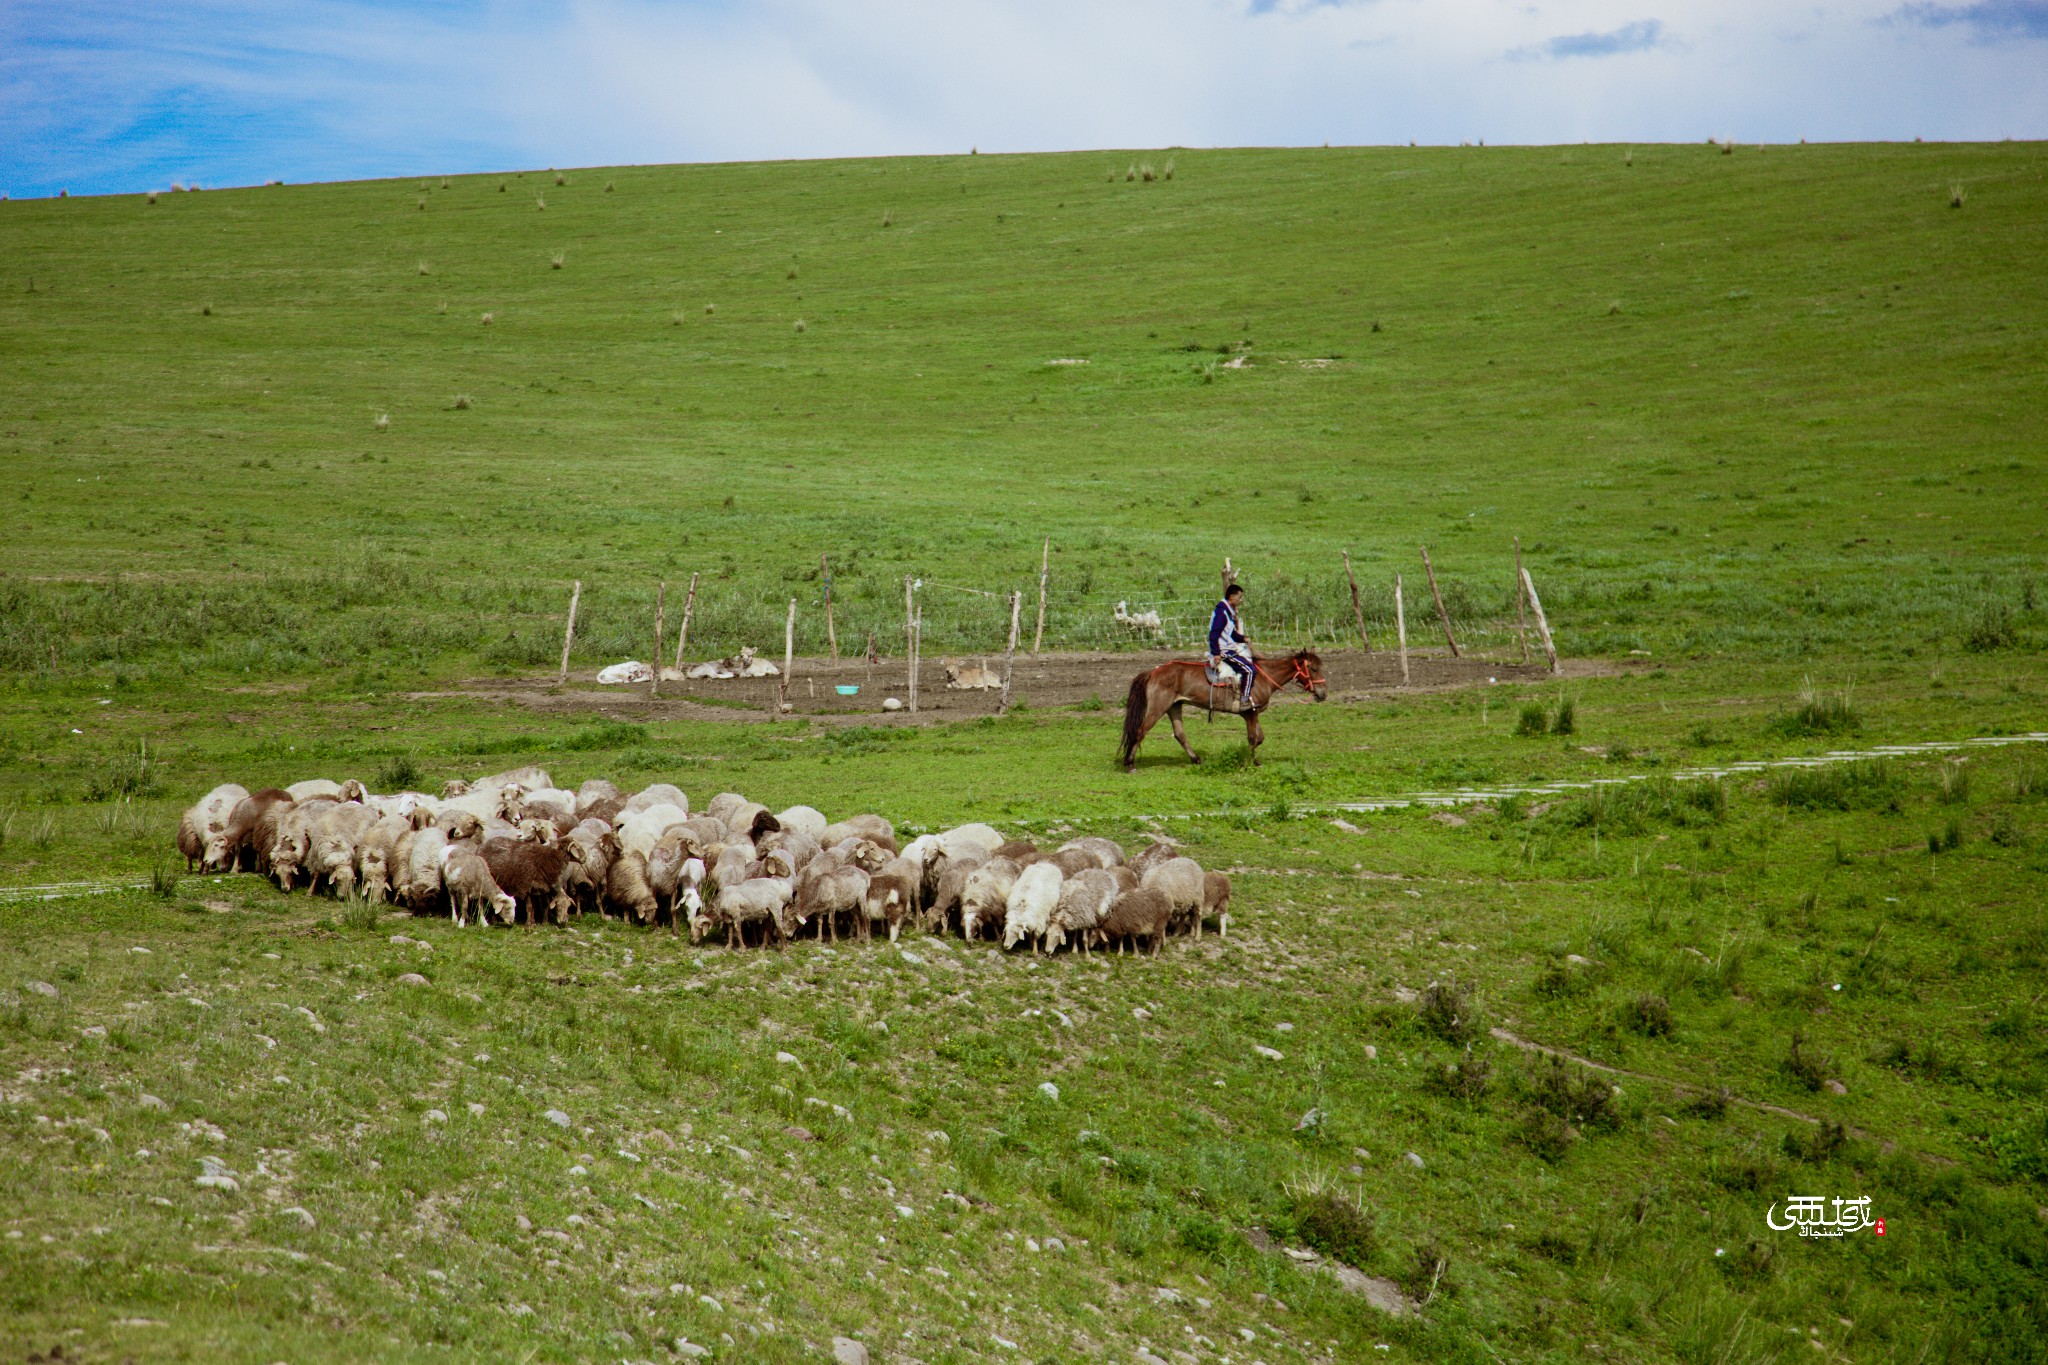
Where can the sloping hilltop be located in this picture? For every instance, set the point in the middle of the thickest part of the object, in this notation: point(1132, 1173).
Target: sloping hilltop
point(1704, 936)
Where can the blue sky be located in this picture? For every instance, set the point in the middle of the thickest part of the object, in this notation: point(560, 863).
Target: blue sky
point(100, 97)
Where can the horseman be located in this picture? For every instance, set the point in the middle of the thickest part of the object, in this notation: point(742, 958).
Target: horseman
point(1227, 644)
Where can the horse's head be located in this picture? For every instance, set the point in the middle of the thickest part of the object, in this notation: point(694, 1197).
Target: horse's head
point(1308, 671)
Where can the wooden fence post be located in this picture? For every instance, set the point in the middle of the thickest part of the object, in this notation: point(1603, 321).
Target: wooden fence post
point(1442, 615)
point(916, 655)
point(569, 635)
point(910, 638)
point(1542, 624)
point(1044, 566)
point(1229, 577)
point(1521, 604)
point(788, 650)
point(654, 682)
point(831, 635)
point(1010, 654)
point(683, 635)
point(1401, 628)
point(1357, 611)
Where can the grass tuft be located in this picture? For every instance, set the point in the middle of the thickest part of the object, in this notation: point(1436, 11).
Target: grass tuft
point(1952, 782)
point(1534, 720)
point(1465, 1079)
point(399, 773)
point(1649, 1015)
point(557, 260)
point(488, 319)
point(1450, 1011)
point(383, 421)
point(1817, 714)
point(163, 880)
point(462, 402)
point(1337, 1225)
point(1809, 1068)
point(1956, 195)
point(1566, 721)
point(800, 326)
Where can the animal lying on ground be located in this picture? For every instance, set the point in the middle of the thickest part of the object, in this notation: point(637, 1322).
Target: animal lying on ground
point(966, 677)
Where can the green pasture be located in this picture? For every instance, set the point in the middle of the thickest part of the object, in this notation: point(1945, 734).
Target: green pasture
point(1767, 423)
point(1770, 402)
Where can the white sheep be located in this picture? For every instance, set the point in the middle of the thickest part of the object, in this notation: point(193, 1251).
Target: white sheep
point(1144, 620)
point(765, 899)
point(658, 794)
point(202, 830)
point(986, 897)
point(314, 786)
point(803, 820)
point(1085, 901)
point(416, 868)
point(472, 888)
point(643, 829)
point(1033, 898)
point(1180, 881)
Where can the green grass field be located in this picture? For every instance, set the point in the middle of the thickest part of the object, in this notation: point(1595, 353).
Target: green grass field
point(1767, 424)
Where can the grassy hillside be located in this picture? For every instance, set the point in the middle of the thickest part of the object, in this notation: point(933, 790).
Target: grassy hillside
point(1769, 402)
point(1771, 417)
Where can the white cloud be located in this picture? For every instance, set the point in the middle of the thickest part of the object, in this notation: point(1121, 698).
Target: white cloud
point(99, 94)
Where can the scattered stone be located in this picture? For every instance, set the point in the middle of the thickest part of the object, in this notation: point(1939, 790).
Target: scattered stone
point(1031, 1245)
point(1413, 1160)
point(1835, 1087)
point(400, 939)
point(1145, 1357)
point(1577, 961)
point(305, 1219)
point(686, 1347)
point(787, 1059)
point(1055, 1244)
point(143, 951)
point(579, 1169)
point(1372, 1054)
point(1301, 1254)
point(799, 1132)
point(524, 1223)
point(891, 704)
point(1004, 1342)
point(1444, 817)
point(94, 1031)
point(847, 1351)
point(313, 1019)
point(434, 1116)
point(713, 1304)
point(1247, 1334)
point(1283, 1028)
point(1384, 1295)
point(1347, 827)
point(1271, 1054)
point(476, 1109)
point(905, 1211)
point(1310, 1121)
point(556, 1117)
point(1166, 1294)
point(1049, 1090)
point(43, 988)
point(1141, 1014)
point(412, 979)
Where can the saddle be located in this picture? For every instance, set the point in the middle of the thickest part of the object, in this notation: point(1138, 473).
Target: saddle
point(1220, 674)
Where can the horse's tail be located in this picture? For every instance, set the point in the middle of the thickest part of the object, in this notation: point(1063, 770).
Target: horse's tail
point(1134, 716)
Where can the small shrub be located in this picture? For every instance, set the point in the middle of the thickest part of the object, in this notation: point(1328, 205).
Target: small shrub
point(1947, 839)
point(887, 218)
point(1566, 722)
point(1649, 1015)
point(1450, 1011)
point(1146, 173)
point(1865, 783)
point(1752, 1262)
point(1818, 713)
point(487, 319)
point(423, 268)
point(801, 326)
point(558, 260)
point(607, 187)
point(423, 204)
point(710, 308)
point(1426, 1276)
point(2022, 1148)
point(1619, 752)
point(1992, 629)
point(1200, 1233)
point(1956, 196)
point(1466, 1079)
point(1557, 980)
point(1709, 1104)
point(1546, 1134)
point(1573, 1093)
point(1703, 737)
point(1805, 1066)
point(2005, 830)
point(1952, 782)
point(206, 310)
point(1166, 172)
point(1818, 1146)
point(163, 881)
point(561, 179)
point(383, 422)
point(1533, 721)
point(1338, 1226)
point(399, 773)
point(461, 401)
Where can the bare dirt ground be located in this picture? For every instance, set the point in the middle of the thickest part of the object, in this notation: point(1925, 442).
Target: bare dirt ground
point(1041, 680)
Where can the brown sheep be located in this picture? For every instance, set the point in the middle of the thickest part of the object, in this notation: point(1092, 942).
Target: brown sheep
point(945, 898)
point(1140, 914)
point(251, 829)
point(532, 874)
point(1019, 851)
point(891, 897)
point(1216, 900)
point(1071, 861)
point(626, 888)
point(1154, 853)
point(606, 810)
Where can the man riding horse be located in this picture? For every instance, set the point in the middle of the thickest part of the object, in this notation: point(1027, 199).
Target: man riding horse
point(1227, 645)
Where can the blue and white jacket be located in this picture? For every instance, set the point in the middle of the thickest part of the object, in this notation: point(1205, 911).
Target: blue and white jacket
point(1225, 631)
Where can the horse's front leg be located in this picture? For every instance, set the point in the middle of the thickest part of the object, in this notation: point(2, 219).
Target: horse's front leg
point(1180, 732)
point(1253, 735)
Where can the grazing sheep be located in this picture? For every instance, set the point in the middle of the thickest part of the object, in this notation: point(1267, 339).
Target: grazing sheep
point(1126, 877)
point(733, 863)
point(459, 824)
point(763, 899)
point(1216, 901)
point(374, 849)
point(250, 830)
point(796, 846)
point(658, 794)
point(550, 803)
point(1136, 915)
point(586, 880)
point(294, 841)
point(200, 827)
point(416, 865)
point(610, 810)
point(595, 790)
point(1106, 852)
point(642, 829)
point(803, 820)
point(974, 835)
point(750, 820)
point(721, 806)
point(1033, 898)
point(1020, 851)
point(1180, 881)
point(831, 886)
point(532, 874)
point(314, 786)
point(862, 826)
point(1072, 860)
point(952, 884)
point(1154, 853)
point(1085, 899)
point(891, 897)
point(472, 888)
point(331, 853)
point(627, 890)
point(532, 777)
point(1146, 621)
point(986, 897)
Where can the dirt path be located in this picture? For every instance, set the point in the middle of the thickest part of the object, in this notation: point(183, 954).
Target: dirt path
point(1043, 680)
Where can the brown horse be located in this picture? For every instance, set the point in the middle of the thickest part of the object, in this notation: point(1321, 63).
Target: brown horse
point(1169, 687)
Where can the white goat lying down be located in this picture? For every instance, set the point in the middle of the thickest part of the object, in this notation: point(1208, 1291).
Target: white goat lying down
point(514, 846)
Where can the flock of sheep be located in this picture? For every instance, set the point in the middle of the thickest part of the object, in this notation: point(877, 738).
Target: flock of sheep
point(514, 844)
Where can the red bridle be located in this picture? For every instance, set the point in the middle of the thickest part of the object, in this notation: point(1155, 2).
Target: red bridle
point(1301, 675)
